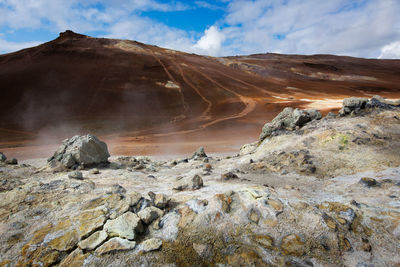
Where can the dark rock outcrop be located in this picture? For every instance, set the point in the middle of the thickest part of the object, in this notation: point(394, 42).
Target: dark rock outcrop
point(2, 157)
point(288, 120)
point(77, 151)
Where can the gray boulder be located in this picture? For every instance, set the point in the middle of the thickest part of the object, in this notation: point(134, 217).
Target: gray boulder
point(288, 120)
point(199, 153)
point(353, 104)
point(82, 150)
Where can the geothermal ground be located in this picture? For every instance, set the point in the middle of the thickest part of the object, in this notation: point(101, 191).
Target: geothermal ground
point(146, 100)
point(324, 193)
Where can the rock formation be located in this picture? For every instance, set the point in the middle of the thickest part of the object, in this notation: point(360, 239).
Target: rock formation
point(77, 151)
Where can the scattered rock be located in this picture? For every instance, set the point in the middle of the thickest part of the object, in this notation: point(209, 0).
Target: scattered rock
point(199, 153)
point(151, 244)
point(2, 157)
point(288, 120)
point(181, 187)
point(330, 115)
point(149, 214)
point(124, 226)
point(94, 171)
point(12, 161)
point(229, 176)
point(265, 240)
point(369, 182)
point(93, 241)
point(114, 245)
point(134, 197)
point(117, 189)
point(292, 245)
point(203, 250)
point(76, 175)
point(90, 221)
point(80, 150)
point(254, 215)
point(329, 221)
point(76, 258)
point(197, 182)
point(159, 200)
point(276, 204)
point(352, 104)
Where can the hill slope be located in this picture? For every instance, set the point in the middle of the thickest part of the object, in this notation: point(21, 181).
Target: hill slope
point(133, 91)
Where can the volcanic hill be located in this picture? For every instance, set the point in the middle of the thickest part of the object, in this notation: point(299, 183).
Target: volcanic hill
point(145, 97)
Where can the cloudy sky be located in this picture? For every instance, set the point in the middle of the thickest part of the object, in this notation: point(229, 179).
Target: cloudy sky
point(363, 28)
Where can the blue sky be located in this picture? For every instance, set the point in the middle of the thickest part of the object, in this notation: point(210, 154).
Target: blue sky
point(364, 28)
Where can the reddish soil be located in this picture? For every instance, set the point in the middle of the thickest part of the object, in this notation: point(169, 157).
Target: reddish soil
point(144, 99)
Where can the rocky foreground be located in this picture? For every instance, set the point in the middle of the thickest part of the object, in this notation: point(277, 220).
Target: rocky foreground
point(311, 191)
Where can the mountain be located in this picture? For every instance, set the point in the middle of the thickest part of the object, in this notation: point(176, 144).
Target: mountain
point(131, 92)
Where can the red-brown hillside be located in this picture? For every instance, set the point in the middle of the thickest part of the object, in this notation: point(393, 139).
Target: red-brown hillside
point(135, 94)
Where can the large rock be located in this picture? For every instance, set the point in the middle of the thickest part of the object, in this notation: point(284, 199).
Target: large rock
point(149, 214)
point(80, 150)
point(289, 119)
point(353, 104)
point(124, 226)
point(93, 241)
point(114, 245)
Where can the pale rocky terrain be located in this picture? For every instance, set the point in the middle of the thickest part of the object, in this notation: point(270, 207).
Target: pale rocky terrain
point(311, 192)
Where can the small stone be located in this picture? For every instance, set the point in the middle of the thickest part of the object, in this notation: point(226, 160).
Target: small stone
point(118, 189)
point(254, 215)
point(76, 175)
point(199, 153)
point(265, 240)
point(277, 205)
point(292, 245)
point(203, 250)
point(344, 243)
point(94, 171)
point(115, 244)
point(207, 167)
point(135, 197)
point(369, 182)
point(151, 244)
point(149, 214)
point(228, 176)
point(124, 226)
point(12, 161)
point(159, 200)
point(197, 182)
point(93, 241)
point(366, 246)
point(181, 187)
point(355, 203)
point(329, 221)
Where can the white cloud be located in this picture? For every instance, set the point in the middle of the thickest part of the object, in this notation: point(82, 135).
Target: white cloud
point(210, 43)
point(6, 46)
point(357, 28)
point(391, 51)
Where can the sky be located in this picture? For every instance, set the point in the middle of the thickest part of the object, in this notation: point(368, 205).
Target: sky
point(361, 28)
